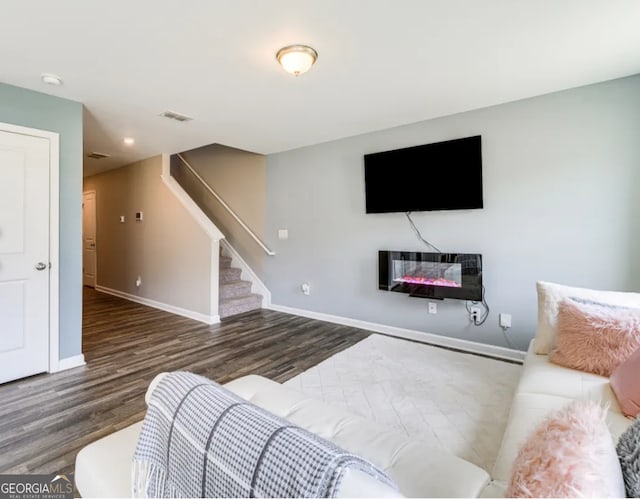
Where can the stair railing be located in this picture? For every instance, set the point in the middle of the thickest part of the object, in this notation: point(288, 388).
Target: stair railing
point(226, 207)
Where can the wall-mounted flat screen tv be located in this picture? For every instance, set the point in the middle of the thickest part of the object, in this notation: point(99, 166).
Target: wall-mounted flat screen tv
point(440, 176)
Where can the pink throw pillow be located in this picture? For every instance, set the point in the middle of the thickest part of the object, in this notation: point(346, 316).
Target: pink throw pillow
point(625, 383)
point(570, 454)
point(595, 338)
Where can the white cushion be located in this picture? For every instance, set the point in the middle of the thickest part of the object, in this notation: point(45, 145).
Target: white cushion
point(549, 297)
point(103, 468)
point(356, 483)
point(417, 468)
point(542, 376)
point(494, 489)
point(527, 411)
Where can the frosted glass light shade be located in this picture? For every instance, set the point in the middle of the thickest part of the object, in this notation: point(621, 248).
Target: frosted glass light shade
point(296, 59)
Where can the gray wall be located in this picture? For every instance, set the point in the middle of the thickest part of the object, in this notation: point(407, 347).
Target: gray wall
point(239, 178)
point(23, 107)
point(560, 174)
point(168, 249)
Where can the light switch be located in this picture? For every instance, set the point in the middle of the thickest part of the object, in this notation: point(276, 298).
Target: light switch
point(121, 219)
point(283, 234)
point(138, 216)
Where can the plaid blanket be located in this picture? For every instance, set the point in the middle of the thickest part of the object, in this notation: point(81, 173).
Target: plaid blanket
point(200, 440)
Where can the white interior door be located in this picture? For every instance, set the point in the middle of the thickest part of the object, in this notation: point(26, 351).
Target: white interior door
point(24, 255)
point(89, 239)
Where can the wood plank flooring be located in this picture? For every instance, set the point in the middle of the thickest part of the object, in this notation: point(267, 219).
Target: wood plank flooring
point(46, 419)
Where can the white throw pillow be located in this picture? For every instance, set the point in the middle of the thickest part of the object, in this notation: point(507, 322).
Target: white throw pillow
point(549, 297)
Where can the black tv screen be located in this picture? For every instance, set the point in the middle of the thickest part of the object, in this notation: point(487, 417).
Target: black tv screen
point(440, 176)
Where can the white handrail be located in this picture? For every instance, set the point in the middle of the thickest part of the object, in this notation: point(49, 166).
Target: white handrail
point(226, 207)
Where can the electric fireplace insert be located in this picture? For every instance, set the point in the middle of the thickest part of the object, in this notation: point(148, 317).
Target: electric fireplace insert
point(431, 275)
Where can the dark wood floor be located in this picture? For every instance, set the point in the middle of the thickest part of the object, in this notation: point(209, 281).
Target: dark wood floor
point(46, 419)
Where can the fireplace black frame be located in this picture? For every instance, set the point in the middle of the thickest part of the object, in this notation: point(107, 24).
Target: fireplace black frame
point(471, 267)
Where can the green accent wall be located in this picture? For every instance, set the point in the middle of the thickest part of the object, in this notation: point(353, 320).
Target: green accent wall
point(23, 107)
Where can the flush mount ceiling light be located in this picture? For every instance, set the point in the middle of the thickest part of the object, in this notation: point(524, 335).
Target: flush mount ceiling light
point(296, 59)
point(51, 79)
point(129, 141)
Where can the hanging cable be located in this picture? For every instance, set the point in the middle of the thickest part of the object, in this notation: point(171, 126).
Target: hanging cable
point(508, 340)
point(482, 302)
point(485, 306)
point(419, 236)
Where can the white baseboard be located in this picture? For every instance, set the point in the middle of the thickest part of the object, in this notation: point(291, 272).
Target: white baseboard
point(191, 314)
point(69, 363)
point(410, 334)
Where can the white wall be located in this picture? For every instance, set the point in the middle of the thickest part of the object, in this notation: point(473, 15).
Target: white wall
point(560, 177)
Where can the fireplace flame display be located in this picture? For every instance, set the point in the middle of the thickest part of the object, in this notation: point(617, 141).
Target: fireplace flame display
point(431, 275)
point(429, 281)
point(444, 274)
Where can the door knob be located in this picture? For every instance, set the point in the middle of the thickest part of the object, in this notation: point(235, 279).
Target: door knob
point(41, 266)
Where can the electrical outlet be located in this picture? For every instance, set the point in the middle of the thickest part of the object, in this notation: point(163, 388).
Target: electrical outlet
point(504, 321)
point(433, 308)
point(138, 282)
point(306, 289)
point(474, 314)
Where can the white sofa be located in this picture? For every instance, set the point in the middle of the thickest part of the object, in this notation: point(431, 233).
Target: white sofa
point(103, 468)
point(545, 387)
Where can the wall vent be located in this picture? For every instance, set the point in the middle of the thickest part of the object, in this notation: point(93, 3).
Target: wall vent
point(176, 116)
point(98, 155)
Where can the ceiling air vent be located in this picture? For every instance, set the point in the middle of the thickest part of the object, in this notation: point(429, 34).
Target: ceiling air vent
point(176, 116)
point(98, 155)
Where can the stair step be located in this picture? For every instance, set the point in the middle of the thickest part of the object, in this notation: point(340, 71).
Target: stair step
point(229, 275)
point(225, 262)
point(234, 306)
point(235, 289)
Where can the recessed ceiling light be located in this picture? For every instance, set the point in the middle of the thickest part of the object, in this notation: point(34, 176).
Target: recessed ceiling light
point(51, 79)
point(129, 141)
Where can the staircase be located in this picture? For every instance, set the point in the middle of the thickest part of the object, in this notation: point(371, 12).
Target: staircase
point(235, 294)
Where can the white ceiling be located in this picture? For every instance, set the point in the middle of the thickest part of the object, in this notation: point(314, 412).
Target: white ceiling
point(381, 63)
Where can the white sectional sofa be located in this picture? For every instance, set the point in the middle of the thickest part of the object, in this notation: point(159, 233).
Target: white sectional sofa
point(103, 468)
point(545, 387)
